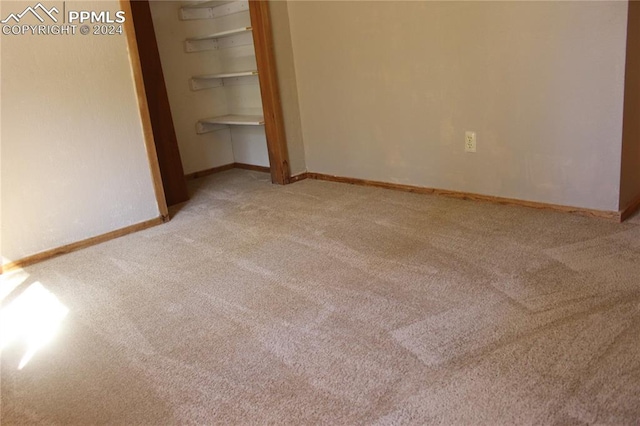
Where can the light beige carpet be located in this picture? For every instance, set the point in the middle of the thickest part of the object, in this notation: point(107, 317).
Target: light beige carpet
point(328, 303)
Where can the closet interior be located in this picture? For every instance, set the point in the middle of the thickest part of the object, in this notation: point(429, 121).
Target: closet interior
point(213, 84)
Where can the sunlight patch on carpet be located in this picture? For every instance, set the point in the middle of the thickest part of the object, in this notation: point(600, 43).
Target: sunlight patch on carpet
point(33, 318)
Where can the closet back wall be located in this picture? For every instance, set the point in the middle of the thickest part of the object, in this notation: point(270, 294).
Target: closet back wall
point(387, 90)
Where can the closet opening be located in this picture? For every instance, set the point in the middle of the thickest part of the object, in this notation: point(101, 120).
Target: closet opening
point(210, 82)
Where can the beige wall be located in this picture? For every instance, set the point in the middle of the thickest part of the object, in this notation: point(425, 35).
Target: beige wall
point(630, 182)
point(287, 82)
point(388, 88)
point(73, 157)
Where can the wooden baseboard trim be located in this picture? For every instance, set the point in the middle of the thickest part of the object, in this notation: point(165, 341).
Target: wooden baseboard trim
point(251, 167)
point(224, 168)
point(49, 254)
point(208, 172)
point(630, 210)
point(298, 178)
point(602, 214)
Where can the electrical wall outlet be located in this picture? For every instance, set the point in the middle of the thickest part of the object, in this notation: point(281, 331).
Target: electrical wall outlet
point(470, 141)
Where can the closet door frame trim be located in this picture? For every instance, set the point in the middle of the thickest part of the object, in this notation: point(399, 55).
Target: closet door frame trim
point(143, 106)
point(270, 92)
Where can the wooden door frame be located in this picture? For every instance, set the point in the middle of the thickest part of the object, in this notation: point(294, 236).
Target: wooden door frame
point(271, 103)
point(270, 94)
point(145, 116)
point(166, 142)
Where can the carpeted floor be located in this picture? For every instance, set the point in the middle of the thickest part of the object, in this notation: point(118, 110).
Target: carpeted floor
point(328, 303)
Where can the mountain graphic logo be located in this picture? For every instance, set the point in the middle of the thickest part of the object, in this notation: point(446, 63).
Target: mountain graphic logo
point(34, 11)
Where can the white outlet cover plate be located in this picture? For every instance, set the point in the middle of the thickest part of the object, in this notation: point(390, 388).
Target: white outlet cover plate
point(470, 141)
